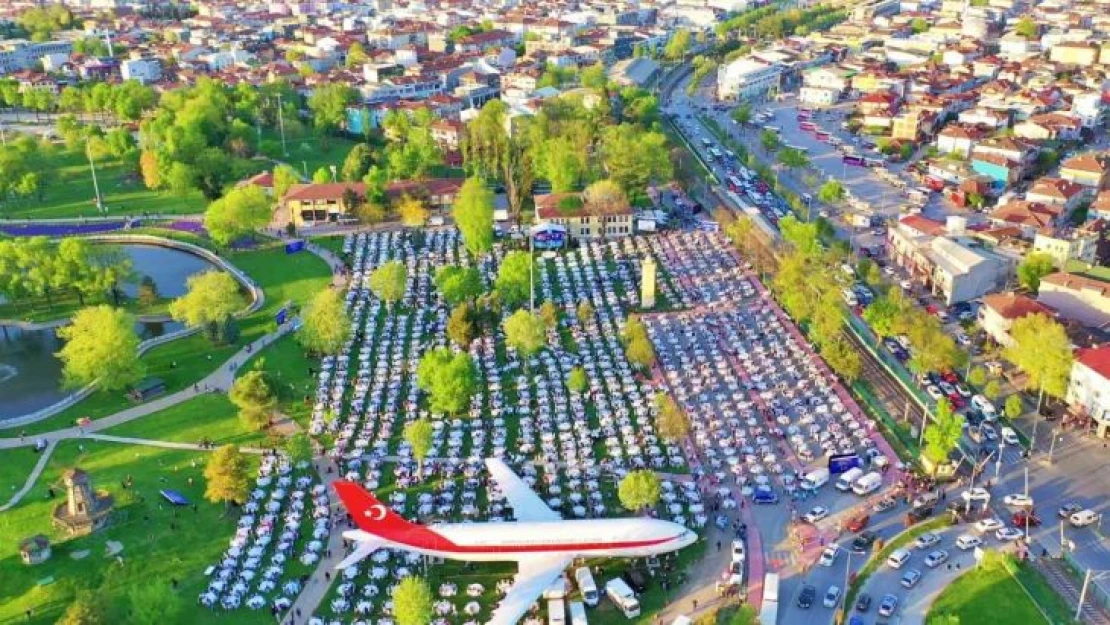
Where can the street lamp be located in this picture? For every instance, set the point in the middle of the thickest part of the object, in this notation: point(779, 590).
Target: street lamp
point(1087, 579)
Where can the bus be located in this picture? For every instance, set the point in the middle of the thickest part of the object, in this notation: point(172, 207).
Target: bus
point(807, 126)
point(855, 161)
point(804, 114)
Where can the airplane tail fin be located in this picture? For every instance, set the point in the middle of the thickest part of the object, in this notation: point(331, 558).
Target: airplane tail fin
point(371, 515)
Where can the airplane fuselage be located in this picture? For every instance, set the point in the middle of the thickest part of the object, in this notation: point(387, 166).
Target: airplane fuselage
point(512, 541)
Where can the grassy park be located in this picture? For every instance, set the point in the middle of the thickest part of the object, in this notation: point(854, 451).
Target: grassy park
point(989, 593)
point(183, 362)
point(211, 417)
point(15, 466)
point(159, 543)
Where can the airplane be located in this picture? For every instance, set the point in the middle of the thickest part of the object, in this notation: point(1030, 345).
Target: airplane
point(541, 542)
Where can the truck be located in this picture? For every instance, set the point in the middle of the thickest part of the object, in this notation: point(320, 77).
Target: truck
point(587, 586)
point(848, 478)
point(577, 613)
point(769, 611)
point(815, 479)
point(868, 484)
point(622, 596)
point(556, 612)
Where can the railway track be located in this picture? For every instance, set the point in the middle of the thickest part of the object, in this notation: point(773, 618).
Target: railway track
point(893, 397)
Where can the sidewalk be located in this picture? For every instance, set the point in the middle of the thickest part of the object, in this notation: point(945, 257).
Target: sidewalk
point(316, 589)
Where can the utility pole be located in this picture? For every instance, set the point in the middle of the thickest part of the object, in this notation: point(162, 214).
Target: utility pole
point(1052, 446)
point(96, 185)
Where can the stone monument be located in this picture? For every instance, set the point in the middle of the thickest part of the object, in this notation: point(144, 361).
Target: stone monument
point(85, 510)
point(647, 283)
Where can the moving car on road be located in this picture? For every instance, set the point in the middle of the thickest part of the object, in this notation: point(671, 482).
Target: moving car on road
point(1068, 509)
point(1007, 534)
point(805, 599)
point(910, 578)
point(832, 596)
point(863, 542)
point(968, 541)
point(816, 514)
point(936, 558)
point(828, 556)
point(1028, 517)
point(989, 525)
point(888, 605)
point(1018, 500)
point(926, 540)
point(1083, 518)
point(863, 603)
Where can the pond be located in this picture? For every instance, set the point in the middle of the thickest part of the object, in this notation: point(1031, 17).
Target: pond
point(30, 374)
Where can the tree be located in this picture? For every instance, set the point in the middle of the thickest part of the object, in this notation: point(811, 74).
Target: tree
point(514, 277)
point(210, 297)
point(153, 603)
point(639, 490)
point(561, 163)
point(742, 114)
point(943, 434)
point(491, 153)
point(634, 157)
point(357, 163)
point(326, 326)
point(831, 192)
point(977, 377)
point(100, 346)
point(388, 281)
point(992, 389)
point(85, 609)
point(919, 25)
point(550, 315)
point(637, 345)
point(412, 602)
point(584, 312)
point(228, 476)
point(1027, 27)
point(577, 381)
point(678, 45)
point(328, 103)
point(299, 448)
point(842, 359)
point(418, 434)
point(593, 77)
point(254, 398)
point(671, 422)
point(1034, 267)
point(242, 211)
point(1013, 407)
point(525, 334)
point(148, 167)
point(884, 316)
point(769, 140)
point(605, 197)
point(148, 292)
point(791, 158)
point(284, 177)
point(1043, 351)
point(473, 213)
point(458, 284)
point(412, 211)
point(356, 55)
point(322, 175)
point(462, 326)
point(449, 379)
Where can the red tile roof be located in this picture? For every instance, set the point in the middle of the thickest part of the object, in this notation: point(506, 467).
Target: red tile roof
point(1015, 306)
point(923, 225)
point(1096, 358)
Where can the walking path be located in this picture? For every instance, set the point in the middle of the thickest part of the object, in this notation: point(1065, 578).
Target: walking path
point(316, 588)
point(166, 444)
point(32, 478)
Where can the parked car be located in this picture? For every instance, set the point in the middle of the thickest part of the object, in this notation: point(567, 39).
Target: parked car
point(828, 556)
point(1007, 534)
point(816, 514)
point(1068, 509)
point(1018, 500)
point(1083, 518)
point(926, 540)
point(989, 525)
point(968, 541)
point(858, 523)
point(884, 504)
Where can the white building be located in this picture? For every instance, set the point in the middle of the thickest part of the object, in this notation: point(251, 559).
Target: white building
point(747, 78)
point(1089, 386)
point(1000, 310)
point(142, 70)
point(20, 54)
point(818, 96)
point(1076, 297)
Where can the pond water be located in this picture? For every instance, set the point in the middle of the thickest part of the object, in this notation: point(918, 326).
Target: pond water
point(30, 374)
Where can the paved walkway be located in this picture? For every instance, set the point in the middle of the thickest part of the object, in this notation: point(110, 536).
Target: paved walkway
point(166, 444)
point(318, 583)
point(32, 478)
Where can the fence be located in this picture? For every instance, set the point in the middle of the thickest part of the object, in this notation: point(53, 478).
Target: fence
point(907, 446)
point(1096, 592)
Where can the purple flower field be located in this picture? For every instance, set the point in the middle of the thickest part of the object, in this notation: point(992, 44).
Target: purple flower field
point(61, 230)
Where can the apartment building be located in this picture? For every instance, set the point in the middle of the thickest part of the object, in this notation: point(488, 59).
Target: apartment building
point(581, 222)
point(1000, 310)
point(1079, 298)
point(747, 78)
point(1089, 386)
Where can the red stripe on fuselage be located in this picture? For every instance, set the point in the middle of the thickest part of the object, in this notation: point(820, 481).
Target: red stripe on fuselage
point(437, 542)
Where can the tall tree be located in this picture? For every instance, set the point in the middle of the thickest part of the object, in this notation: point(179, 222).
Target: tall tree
point(228, 476)
point(328, 104)
point(577, 381)
point(1034, 267)
point(561, 163)
point(671, 422)
point(326, 326)
point(240, 212)
point(1042, 350)
point(639, 490)
point(514, 277)
point(584, 312)
point(458, 284)
point(357, 163)
point(462, 325)
point(473, 213)
point(678, 45)
point(100, 346)
point(634, 157)
point(605, 197)
point(388, 281)
point(525, 334)
point(943, 434)
point(210, 297)
point(298, 448)
point(491, 153)
point(418, 434)
point(412, 602)
point(412, 211)
point(254, 398)
point(449, 379)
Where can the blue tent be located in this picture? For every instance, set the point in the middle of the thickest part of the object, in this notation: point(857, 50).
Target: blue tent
point(174, 497)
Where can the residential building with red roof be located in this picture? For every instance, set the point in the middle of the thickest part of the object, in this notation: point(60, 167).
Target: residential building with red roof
point(333, 201)
point(582, 221)
point(1000, 310)
point(1076, 297)
point(1089, 386)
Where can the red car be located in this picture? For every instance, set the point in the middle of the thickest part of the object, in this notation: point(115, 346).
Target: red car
point(950, 377)
point(1019, 518)
point(858, 523)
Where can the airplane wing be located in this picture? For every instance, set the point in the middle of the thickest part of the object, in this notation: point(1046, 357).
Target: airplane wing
point(363, 548)
point(535, 575)
point(527, 505)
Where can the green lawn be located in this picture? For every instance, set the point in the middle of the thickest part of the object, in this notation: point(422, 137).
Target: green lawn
point(64, 305)
point(1081, 268)
point(308, 152)
point(332, 243)
point(153, 553)
point(286, 363)
point(181, 363)
point(70, 193)
point(210, 416)
point(15, 466)
point(988, 593)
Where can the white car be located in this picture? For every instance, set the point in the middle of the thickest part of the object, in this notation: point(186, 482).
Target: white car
point(738, 553)
point(828, 556)
point(982, 404)
point(832, 596)
point(1018, 500)
point(906, 285)
point(1083, 518)
point(1007, 534)
point(989, 525)
point(1009, 436)
point(968, 541)
point(816, 514)
point(976, 494)
point(926, 540)
point(934, 392)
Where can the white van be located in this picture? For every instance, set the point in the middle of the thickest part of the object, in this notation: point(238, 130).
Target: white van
point(815, 479)
point(868, 484)
point(556, 612)
point(587, 586)
point(577, 613)
point(898, 558)
point(1083, 518)
point(849, 477)
point(622, 597)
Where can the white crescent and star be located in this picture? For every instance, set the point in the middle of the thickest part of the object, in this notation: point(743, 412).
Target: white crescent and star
point(375, 512)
